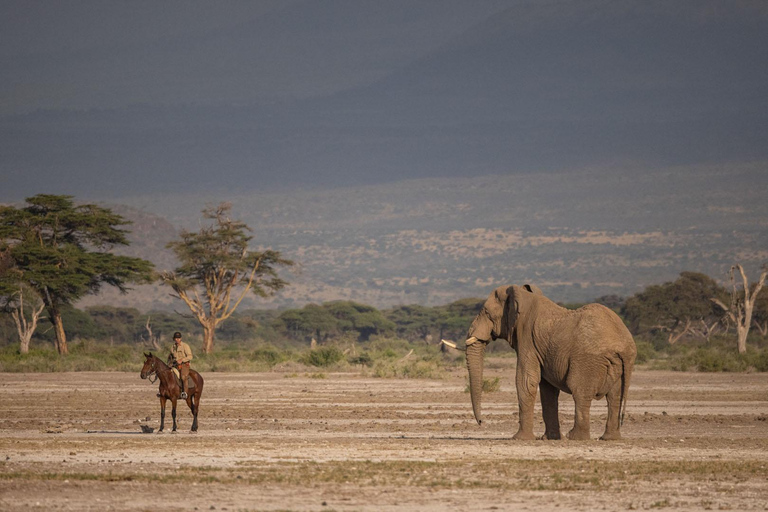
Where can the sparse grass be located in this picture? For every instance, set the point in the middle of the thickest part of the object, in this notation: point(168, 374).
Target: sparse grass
point(489, 385)
point(509, 474)
point(385, 357)
point(409, 369)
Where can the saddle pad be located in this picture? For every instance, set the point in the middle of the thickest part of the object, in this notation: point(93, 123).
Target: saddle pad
point(190, 382)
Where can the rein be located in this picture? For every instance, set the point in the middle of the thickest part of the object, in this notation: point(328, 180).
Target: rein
point(154, 372)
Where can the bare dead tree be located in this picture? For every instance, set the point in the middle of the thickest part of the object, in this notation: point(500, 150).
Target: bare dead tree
point(26, 327)
point(762, 327)
point(151, 339)
point(740, 309)
point(706, 330)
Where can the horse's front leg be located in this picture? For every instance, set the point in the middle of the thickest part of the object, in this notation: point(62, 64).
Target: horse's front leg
point(173, 413)
point(162, 414)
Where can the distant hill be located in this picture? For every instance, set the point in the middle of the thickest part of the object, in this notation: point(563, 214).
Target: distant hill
point(578, 235)
point(345, 93)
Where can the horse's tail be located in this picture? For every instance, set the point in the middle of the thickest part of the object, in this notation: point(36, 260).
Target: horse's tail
point(199, 380)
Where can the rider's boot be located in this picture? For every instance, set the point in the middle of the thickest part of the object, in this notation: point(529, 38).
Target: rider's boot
point(183, 395)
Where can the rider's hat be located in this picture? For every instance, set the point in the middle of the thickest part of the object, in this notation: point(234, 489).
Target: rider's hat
point(177, 335)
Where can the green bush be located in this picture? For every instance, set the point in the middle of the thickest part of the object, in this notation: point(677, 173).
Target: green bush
point(268, 355)
point(323, 356)
point(719, 359)
point(363, 359)
point(645, 352)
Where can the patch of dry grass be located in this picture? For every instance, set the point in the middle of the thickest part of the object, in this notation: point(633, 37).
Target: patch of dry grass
point(539, 475)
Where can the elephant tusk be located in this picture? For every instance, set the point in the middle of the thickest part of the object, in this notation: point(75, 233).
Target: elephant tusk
point(452, 345)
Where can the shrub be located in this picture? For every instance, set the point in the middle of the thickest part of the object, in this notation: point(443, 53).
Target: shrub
point(323, 356)
point(645, 352)
point(268, 355)
point(489, 385)
point(363, 359)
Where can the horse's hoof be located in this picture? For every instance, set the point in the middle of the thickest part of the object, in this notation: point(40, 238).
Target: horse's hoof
point(160, 432)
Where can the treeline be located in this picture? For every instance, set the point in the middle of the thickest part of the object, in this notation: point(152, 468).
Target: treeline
point(325, 324)
point(691, 309)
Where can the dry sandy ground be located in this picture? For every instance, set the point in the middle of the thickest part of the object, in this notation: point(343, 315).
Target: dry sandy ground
point(299, 441)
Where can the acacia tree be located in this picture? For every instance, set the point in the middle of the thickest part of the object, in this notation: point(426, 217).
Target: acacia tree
point(218, 270)
point(676, 307)
point(742, 303)
point(61, 251)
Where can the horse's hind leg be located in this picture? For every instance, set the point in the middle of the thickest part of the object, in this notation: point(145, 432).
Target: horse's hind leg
point(173, 413)
point(194, 403)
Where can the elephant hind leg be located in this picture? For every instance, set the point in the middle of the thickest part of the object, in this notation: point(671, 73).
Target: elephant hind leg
point(612, 426)
point(580, 430)
point(549, 397)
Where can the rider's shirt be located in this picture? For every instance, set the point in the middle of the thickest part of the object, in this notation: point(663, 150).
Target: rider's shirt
point(181, 352)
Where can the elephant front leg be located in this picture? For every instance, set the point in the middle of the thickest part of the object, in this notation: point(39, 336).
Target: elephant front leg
point(580, 430)
point(549, 397)
point(526, 382)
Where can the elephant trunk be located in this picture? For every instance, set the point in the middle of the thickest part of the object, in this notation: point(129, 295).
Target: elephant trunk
point(475, 359)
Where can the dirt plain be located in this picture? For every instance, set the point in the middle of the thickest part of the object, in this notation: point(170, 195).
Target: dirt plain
point(293, 439)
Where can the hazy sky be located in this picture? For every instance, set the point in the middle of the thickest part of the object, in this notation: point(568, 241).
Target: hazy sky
point(105, 98)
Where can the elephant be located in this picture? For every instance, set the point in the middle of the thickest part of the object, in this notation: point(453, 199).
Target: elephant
point(588, 353)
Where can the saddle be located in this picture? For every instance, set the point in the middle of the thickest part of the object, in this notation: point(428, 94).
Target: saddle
point(190, 381)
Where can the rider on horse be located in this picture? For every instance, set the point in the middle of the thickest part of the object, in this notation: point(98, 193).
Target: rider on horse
point(181, 355)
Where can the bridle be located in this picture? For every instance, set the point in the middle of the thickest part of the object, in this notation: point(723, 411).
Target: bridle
point(152, 372)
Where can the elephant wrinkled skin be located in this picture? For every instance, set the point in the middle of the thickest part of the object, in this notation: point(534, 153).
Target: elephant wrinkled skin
point(587, 352)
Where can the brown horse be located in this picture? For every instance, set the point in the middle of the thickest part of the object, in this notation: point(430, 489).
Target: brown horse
point(170, 389)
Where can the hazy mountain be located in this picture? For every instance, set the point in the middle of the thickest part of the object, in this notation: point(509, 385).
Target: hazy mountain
point(339, 93)
point(578, 235)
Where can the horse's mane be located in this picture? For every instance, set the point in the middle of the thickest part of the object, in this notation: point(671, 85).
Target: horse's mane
point(161, 364)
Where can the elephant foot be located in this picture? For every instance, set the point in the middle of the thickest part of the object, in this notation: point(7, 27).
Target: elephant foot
point(611, 436)
point(523, 436)
point(551, 436)
point(578, 435)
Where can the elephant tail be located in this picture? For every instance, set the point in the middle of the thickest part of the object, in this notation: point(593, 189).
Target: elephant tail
point(626, 375)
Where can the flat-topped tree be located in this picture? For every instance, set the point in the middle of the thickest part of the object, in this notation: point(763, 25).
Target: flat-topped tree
point(218, 270)
point(61, 251)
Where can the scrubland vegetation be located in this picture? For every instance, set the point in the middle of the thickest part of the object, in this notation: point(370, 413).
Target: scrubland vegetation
point(401, 342)
point(692, 323)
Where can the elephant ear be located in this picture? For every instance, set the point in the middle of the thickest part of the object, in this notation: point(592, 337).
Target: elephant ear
point(512, 309)
point(533, 289)
point(488, 320)
point(519, 298)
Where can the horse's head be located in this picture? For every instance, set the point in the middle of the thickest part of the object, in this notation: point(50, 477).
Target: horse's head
point(149, 366)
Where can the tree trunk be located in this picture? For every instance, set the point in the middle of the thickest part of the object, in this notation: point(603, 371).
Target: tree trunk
point(741, 341)
point(25, 334)
point(208, 332)
point(58, 327)
point(24, 328)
